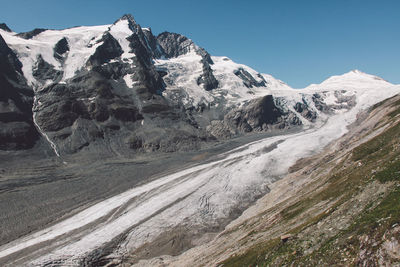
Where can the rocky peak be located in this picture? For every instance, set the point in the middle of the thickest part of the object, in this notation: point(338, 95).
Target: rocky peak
point(127, 17)
point(7, 59)
point(110, 49)
point(133, 26)
point(31, 34)
point(175, 44)
point(4, 27)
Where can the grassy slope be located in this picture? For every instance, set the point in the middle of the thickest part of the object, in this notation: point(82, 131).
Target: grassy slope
point(373, 165)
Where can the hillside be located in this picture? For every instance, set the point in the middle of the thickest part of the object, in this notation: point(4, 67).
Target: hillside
point(339, 208)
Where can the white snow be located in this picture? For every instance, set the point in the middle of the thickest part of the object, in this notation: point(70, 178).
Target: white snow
point(354, 79)
point(120, 31)
point(36, 104)
point(81, 41)
point(128, 80)
point(183, 72)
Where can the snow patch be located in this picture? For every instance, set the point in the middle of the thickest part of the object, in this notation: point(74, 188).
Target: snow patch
point(120, 31)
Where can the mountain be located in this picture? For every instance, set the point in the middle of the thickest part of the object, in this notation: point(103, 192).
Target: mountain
point(119, 146)
point(120, 88)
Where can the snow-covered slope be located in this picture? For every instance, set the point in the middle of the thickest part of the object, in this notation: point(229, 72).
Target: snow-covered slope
point(184, 70)
point(83, 42)
point(354, 79)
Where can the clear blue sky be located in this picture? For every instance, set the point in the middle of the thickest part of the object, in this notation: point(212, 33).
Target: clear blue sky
point(299, 42)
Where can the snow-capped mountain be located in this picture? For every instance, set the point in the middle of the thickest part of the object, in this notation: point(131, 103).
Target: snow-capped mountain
point(120, 88)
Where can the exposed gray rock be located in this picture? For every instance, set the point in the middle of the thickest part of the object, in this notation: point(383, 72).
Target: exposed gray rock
point(304, 110)
point(261, 114)
point(31, 34)
point(207, 78)
point(174, 44)
point(108, 50)
point(61, 48)
point(17, 128)
point(4, 26)
point(145, 72)
point(248, 79)
point(319, 103)
point(152, 43)
point(43, 71)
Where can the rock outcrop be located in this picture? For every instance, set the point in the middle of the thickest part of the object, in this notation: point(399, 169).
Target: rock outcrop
point(16, 99)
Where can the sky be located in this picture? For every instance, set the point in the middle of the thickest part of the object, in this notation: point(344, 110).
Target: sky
point(299, 42)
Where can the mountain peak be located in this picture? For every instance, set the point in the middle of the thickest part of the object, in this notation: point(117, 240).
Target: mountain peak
point(352, 79)
point(4, 27)
point(127, 17)
point(357, 71)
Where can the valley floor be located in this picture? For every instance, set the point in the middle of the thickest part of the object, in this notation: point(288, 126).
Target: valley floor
point(38, 189)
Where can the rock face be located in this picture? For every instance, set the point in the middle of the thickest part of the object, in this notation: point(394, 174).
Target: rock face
point(31, 34)
point(248, 80)
point(109, 49)
point(260, 114)
point(43, 71)
point(16, 98)
point(4, 26)
point(263, 114)
point(61, 48)
point(175, 45)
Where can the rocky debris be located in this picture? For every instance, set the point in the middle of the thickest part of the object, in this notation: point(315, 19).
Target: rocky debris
point(4, 27)
point(382, 250)
point(248, 79)
point(16, 98)
point(31, 34)
point(61, 48)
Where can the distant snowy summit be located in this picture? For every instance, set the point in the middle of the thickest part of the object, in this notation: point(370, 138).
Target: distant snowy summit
point(119, 89)
point(353, 79)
